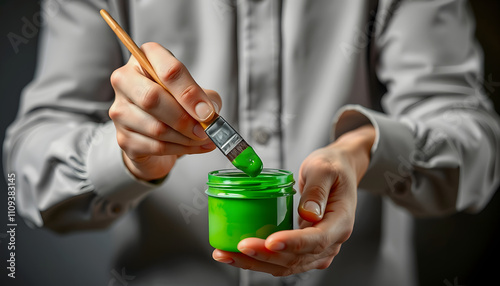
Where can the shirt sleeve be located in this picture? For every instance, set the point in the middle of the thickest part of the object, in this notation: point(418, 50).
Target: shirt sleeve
point(438, 140)
point(62, 145)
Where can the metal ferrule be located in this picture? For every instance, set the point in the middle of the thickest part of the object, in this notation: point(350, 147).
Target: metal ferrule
point(223, 135)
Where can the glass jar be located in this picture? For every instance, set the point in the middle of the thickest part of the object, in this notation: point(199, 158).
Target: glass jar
point(240, 206)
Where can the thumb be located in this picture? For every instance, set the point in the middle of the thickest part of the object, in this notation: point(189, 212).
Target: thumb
point(215, 98)
point(315, 193)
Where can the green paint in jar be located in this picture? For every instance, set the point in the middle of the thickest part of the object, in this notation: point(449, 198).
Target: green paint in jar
point(240, 206)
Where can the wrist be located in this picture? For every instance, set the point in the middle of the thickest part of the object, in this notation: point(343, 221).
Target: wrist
point(356, 145)
point(141, 170)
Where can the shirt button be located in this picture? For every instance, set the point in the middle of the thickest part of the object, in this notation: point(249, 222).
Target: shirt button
point(261, 135)
point(116, 209)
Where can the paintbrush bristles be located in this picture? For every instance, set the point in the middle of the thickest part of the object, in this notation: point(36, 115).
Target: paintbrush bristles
point(236, 151)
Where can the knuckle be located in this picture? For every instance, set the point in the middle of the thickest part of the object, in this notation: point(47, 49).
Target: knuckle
point(263, 257)
point(116, 77)
point(324, 264)
point(214, 96)
point(332, 251)
point(191, 143)
point(149, 45)
point(298, 245)
point(294, 262)
point(184, 117)
point(157, 129)
point(335, 250)
point(282, 272)
point(246, 266)
point(173, 72)
point(132, 155)
point(322, 244)
point(337, 169)
point(182, 121)
point(122, 141)
point(189, 94)
point(346, 234)
point(158, 147)
point(114, 111)
point(150, 97)
point(318, 193)
point(211, 93)
point(328, 167)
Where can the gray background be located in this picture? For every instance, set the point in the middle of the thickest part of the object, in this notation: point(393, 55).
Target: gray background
point(462, 247)
point(43, 257)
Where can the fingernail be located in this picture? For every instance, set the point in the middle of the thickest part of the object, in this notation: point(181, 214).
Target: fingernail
point(216, 106)
point(312, 207)
point(224, 260)
point(277, 246)
point(248, 251)
point(199, 131)
point(203, 111)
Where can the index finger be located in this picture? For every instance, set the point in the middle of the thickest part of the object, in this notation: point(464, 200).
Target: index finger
point(175, 76)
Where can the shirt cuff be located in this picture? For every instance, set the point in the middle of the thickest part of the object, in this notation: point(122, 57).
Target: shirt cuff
point(388, 172)
point(109, 175)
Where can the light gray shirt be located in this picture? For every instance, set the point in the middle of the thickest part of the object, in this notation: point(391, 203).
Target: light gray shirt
point(293, 75)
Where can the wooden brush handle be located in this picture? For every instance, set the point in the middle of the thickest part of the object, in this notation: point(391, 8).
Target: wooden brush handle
point(139, 55)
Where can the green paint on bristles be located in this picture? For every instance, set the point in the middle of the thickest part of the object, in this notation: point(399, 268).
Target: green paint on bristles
point(248, 162)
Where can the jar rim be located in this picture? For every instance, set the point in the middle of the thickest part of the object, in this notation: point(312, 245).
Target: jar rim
point(233, 183)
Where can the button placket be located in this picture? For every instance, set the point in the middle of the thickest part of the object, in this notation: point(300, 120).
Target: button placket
point(259, 45)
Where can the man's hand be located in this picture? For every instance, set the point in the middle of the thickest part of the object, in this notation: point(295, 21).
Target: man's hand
point(328, 181)
point(154, 126)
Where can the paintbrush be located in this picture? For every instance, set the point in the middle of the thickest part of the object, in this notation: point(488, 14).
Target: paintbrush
point(232, 145)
